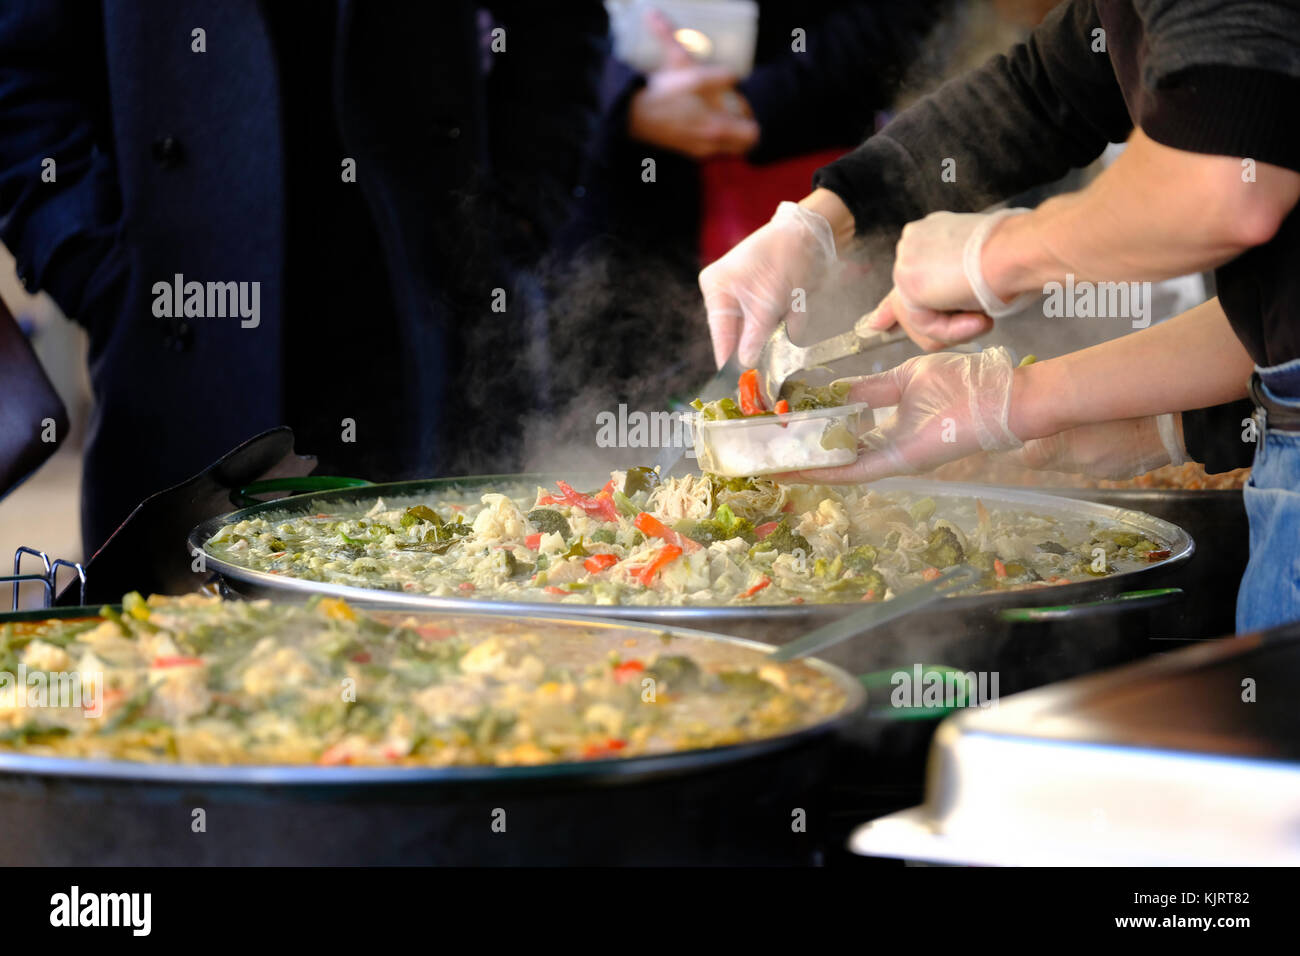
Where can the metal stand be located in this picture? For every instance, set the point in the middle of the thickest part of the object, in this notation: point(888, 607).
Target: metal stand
point(48, 579)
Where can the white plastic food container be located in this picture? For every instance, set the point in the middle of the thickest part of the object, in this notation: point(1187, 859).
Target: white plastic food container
point(767, 444)
point(717, 32)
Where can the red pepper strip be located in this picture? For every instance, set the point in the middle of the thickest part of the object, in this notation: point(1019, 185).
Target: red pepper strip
point(600, 562)
point(758, 587)
point(1158, 555)
point(335, 755)
point(763, 530)
point(552, 589)
point(930, 574)
point(361, 658)
point(782, 407)
point(533, 541)
point(466, 586)
point(602, 506)
point(177, 661)
point(652, 527)
point(751, 402)
point(999, 568)
point(669, 554)
point(627, 670)
point(608, 510)
point(605, 749)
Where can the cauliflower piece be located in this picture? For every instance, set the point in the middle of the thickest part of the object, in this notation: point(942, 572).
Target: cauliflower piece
point(500, 520)
point(552, 543)
point(42, 656)
point(181, 692)
point(286, 667)
point(484, 657)
point(442, 702)
point(605, 717)
point(566, 572)
point(832, 515)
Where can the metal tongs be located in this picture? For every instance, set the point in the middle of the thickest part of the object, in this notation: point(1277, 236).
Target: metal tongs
point(781, 358)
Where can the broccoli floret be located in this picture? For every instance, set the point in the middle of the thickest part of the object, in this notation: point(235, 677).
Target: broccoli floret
point(676, 670)
point(550, 521)
point(784, 539)
point(860, 560)
point(943, 550)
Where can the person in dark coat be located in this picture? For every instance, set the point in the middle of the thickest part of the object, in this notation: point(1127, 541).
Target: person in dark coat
point(315, 213)
point(823, 70)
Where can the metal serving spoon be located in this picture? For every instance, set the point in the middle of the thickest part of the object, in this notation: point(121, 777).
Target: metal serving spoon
point(781, 358)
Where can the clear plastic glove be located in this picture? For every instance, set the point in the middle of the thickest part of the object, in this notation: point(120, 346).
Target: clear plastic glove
point(1114, 450)
point(749, 290)
point(940, 296)
point(947, 407)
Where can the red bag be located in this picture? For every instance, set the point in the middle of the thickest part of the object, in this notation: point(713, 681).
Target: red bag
point(736, 196)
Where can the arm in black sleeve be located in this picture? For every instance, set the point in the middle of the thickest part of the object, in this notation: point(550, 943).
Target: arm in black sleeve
point(1214, 436)
point(1024, 118)
point(1217, 75)
point(60, 221)
point(542, 99)
point(827, 94)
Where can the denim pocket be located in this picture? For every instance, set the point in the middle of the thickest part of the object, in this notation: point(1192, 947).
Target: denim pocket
point(1270, 588)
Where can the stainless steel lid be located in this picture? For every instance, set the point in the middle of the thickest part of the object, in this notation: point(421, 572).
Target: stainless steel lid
point(1192, 758)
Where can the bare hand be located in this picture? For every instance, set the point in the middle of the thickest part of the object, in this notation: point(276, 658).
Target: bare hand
point(693, 110)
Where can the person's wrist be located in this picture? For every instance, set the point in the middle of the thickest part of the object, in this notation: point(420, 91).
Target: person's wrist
point(1035, 402)
point(832, 208)
point(1012, 259)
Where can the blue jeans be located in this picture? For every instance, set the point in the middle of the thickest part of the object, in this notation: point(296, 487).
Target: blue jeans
point(1270, 588)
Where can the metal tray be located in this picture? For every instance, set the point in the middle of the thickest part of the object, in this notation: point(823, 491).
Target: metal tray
point(1156, 763)
point(250, 582)
point(585, 771)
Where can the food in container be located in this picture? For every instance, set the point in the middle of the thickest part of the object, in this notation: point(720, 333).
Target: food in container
point(769, 444)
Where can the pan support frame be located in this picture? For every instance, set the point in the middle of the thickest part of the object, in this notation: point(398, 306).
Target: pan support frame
point(48, 578)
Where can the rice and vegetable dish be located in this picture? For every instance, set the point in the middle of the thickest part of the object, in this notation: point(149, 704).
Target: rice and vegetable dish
point(696, 540)
point(198, 680)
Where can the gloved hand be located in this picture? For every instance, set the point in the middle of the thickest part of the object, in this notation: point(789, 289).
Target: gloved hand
point(940, 295)
point(748, 291)
point(948, 406)
point(1113, 450)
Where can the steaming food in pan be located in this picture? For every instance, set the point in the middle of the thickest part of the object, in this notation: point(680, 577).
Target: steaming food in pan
point(696, 540)
point(199, 680)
